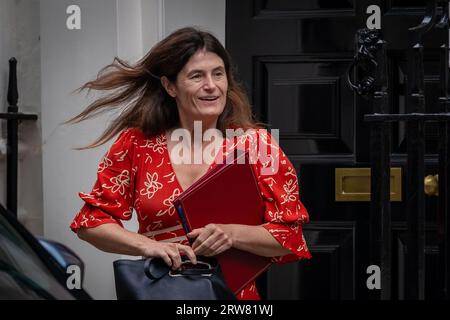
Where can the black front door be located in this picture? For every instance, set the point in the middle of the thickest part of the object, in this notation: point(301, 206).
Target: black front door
point(293, 57)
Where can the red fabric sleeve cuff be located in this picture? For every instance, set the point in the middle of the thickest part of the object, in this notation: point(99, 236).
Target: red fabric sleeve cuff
point(91, 217)
point(289, 238)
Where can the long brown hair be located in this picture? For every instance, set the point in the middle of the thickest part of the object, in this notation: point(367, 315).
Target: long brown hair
point(137, 88)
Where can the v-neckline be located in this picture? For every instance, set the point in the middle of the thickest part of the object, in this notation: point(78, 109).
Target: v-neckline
point(212, 165)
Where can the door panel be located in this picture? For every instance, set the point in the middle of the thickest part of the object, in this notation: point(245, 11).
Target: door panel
point(326, 125)
point(335, 252)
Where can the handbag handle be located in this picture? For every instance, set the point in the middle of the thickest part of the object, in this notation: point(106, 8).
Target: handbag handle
point(156, 268)
point(206, 272)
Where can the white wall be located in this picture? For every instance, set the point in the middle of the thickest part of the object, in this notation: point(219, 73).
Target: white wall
point(70, 58)
point(124, 28)
point(208, 14)
point(19, 37)
point(109, 28)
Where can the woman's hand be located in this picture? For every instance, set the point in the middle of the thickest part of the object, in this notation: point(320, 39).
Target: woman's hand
point(211, 240)
point(169, 252)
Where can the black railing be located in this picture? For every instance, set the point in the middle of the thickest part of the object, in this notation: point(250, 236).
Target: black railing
point(414, 120)
point(13, 118)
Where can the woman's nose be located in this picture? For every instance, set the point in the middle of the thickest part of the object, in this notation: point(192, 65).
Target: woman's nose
point(209, 83)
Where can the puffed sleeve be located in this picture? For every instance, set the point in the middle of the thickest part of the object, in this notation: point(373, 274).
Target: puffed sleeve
point(284, 212)
point(111, 199)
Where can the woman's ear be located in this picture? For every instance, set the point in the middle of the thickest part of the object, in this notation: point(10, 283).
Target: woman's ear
point(169, 86)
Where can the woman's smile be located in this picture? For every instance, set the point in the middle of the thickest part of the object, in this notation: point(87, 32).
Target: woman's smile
point(209, 100)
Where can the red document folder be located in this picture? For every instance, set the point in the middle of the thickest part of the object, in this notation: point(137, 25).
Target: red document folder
point(227, 194)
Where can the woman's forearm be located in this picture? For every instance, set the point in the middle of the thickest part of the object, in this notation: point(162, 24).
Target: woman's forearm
point(254, 239)
point(113, 238)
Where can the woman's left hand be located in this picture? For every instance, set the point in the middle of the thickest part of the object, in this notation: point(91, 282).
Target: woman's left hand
point(211, 240)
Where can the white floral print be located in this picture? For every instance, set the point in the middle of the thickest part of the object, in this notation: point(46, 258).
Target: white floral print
point(152, 185)
point(119, 182)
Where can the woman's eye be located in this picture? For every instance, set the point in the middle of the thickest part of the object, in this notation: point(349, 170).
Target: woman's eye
point(196, 76)
point(218, 74)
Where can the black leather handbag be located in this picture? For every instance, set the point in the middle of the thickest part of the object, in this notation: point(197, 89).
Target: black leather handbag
point(153, 279)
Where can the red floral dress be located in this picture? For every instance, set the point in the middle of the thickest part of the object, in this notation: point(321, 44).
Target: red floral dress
point(136, 175)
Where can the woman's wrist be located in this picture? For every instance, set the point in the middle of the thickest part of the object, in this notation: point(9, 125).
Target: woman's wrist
point(230, 231)
point(143, 246)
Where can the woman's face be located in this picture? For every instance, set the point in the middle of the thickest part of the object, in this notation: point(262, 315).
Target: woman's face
point(201, 87)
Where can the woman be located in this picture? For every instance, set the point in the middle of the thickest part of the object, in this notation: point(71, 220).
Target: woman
point(185, 78)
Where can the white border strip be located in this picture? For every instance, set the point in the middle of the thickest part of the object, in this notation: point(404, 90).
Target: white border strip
point(154, 233)
point(174, 239)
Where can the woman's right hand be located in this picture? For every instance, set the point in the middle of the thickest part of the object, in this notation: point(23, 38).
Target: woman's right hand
point(169, 252)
